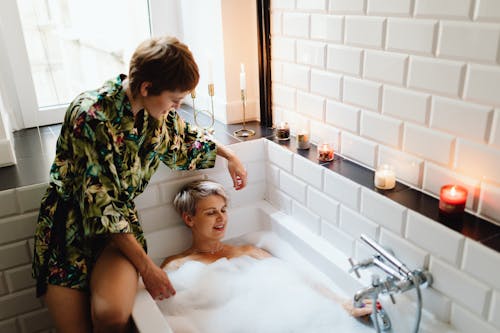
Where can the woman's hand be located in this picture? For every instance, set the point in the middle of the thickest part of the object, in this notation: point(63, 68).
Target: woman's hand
point(237, 172)
point(157, 282)
point(358, 312)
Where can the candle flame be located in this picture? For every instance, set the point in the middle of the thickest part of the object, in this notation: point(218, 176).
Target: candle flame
point(453, 191)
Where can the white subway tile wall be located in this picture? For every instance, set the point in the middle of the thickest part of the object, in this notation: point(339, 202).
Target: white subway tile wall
point(384, 211)
point(466, 272)
point(432, 63)
point(408, 168)
point(385, 67)
point(487, 10)
point(460, 287)
point(329, 205)
point(343, 116)
point(405, 104)
point(327, 27)
point(468, 321)
point(326, 84)
point(434, 238)
point(495, 129)
point(389, 7)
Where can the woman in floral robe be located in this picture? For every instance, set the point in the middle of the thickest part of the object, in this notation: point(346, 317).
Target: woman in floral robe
point(89, 244)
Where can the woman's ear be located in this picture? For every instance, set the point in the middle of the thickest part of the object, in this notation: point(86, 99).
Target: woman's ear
point(144, 90)
point(187, 219)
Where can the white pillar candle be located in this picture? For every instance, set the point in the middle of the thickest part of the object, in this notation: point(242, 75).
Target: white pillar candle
point(243, 79)
point(210, 72)
point(385, 177)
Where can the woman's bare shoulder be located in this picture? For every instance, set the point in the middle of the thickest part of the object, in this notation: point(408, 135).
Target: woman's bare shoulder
point(174, 261)
point(254, 251)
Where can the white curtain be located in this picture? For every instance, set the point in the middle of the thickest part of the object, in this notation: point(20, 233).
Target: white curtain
point(7, 90)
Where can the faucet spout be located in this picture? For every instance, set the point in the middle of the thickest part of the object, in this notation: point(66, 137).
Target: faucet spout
point(362, 294)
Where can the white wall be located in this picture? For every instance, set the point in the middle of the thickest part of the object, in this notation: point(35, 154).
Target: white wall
point(224, 32)
point(410, 83)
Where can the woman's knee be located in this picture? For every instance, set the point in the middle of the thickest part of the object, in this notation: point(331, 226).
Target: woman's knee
point(109, 316)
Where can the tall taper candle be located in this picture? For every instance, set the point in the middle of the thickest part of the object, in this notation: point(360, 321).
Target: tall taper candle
point(210, 72)
point(243, 79)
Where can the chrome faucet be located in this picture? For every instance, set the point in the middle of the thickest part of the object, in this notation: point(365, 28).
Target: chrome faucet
point(400, 279)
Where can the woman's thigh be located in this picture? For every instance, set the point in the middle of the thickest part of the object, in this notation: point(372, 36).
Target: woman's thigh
point(69, 309)
point(113, 284)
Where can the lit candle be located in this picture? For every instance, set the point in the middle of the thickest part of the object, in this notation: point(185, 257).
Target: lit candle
point(210, 72)
point(303, 139)
point(243, 79)
point(325, 152)
point(452, 199)
point(283, 131)
point(385, 177)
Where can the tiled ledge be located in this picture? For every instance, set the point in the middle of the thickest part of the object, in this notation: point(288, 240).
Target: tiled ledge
point(469, 225)
point(34, 162)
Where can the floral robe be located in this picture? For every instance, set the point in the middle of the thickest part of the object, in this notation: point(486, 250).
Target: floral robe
point(105, 158)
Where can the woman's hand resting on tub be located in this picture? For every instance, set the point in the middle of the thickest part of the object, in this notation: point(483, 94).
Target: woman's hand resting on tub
point(157, 282)
point(358, 312)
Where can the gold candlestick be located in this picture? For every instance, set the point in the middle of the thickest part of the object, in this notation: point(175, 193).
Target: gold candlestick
point(209, 129)
point(244, 132)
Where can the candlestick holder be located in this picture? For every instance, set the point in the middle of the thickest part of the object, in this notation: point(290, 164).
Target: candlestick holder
point(209, 129)
point(244, 132)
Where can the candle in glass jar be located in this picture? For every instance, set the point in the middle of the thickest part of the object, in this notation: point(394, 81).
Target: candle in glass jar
point(325, 152)
point(385, 177)
point(283, 131)
point(452, 199)
point(303, 139)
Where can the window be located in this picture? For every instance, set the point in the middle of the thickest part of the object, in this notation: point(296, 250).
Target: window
point(55, 49)
point(73, 44)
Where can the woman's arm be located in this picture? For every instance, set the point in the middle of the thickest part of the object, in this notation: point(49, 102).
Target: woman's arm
point(237, 170)
point(155, 279)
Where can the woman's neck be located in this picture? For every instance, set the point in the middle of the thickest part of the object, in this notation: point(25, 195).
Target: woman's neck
point(135, 103)
point(208, 247)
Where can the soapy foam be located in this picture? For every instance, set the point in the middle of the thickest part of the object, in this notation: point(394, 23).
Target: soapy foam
point(244, 294)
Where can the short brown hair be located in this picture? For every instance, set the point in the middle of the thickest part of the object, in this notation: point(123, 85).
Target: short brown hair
point(165, 62)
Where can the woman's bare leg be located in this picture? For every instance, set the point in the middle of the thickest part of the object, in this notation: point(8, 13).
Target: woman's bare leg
point(113, 286)
point(69, 309)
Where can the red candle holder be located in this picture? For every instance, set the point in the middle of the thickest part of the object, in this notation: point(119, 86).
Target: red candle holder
point(325, 152)
point(452, 199)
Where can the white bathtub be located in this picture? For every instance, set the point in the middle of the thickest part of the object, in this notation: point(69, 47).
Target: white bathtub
point(261, 216)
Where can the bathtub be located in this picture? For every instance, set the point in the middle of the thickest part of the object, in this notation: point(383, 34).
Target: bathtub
point(261, 216)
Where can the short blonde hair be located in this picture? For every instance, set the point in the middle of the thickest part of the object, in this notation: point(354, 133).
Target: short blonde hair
point(186, 200)
point(165, 62)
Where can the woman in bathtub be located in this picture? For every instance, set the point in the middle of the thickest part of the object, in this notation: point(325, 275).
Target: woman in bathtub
point(203, 207)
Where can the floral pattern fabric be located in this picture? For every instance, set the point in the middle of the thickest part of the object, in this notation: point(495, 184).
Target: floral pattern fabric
point(105, 157)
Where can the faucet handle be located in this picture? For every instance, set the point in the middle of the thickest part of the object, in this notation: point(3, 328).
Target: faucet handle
point(354, 268)
point(388, 285)
point(375, 280)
